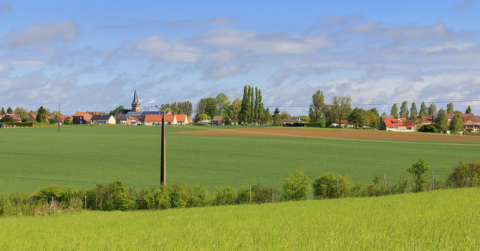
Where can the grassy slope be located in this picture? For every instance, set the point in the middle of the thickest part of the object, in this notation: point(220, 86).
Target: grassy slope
point(439, 220)
point(85, 156)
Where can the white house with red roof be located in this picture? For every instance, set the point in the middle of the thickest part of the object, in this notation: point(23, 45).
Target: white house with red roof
point(469, 125)
point(156, 119)
point(393, 124)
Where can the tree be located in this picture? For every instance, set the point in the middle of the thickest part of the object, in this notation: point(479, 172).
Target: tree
point(468, 110)
point(456, 123)
point(276, 111)
point(357, 118)
point(41, 114)
point(9, 110)
point(113, 112)
point(2, 112)
point(260, 113)
point(317, 107)
point(404, 110)
point(22, 111)
point(413, 111)
point(201, 105)
point(297, 187)
point(450, 108)
point(432, 110)
point(423, 109)
point(250, 106)
point(394, 111)
point(285, 115)
point(277, 120)
point(341, 107)
point(370, 118)
point(305, 118)
point(375, 112)
point(211, 107)
point(68, 122)
point(417, 170)
point(441, 121)
point(267, 117)
point(226, 120)
point(223, 103)
point(203, 116)
point(234, 110)
point(7, 118)
point(245, 110)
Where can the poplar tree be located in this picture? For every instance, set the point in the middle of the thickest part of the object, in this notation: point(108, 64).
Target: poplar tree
point(2, 112)
point(255, 107)
point(413, 111)
point(245, 102)
point(469, 110)
point(41, 114)
point(423, 109)
point(450, 108)
point(260, 107)
point(9, 110)
point(432, 110)
point(394, 111)
point(251, 107)
point(404, 110)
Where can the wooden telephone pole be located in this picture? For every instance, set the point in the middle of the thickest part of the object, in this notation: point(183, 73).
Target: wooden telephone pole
point(58, 117)
point(163, 161)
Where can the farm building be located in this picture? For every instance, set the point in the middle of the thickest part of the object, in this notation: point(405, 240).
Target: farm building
point(469, 125)
point(81, 118)
point(102, 119)
point(393, 124)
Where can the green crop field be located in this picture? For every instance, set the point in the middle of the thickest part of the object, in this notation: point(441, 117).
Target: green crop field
point(84, 156)
point(438, 220)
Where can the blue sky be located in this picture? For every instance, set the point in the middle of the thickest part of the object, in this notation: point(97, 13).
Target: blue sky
point(91, 55)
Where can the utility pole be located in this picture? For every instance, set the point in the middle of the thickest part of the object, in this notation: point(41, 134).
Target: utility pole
point(163, 158)
point(58, 117)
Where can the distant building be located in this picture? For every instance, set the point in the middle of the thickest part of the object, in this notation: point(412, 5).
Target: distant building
point(81, 118)
point(393, 124)
point(102, 119)
point(135, 103)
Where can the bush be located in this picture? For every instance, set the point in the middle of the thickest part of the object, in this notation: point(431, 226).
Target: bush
point(369, 190)
point(417, 170)
point(464, 175)
point(315, 124)
point(325, 186)
point(297, 186)
point(7, 118)
point(68, 122)
point(180, 195)
point(225, 195)
point(260, 194)
point(428, 128)
point(402, 184)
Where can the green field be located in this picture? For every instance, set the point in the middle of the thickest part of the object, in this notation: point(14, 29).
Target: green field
point(84, 156)
point(438, 220)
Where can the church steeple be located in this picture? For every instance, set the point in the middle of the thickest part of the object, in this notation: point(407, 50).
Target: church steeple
point(135, 103)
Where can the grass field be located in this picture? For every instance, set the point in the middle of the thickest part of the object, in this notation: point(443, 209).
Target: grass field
point(438, 220)
point(84, 156)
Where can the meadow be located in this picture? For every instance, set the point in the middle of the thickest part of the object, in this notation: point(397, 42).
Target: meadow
point(84, 156)
point(435, 220)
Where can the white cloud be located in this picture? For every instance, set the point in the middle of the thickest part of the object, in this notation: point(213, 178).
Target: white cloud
point(273, 43)
point(158, 48)
point(64, 31)
point(405, 34)
point(465, 5)
point(217, 72)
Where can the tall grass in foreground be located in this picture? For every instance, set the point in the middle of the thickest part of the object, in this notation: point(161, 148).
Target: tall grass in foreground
point(437, 220)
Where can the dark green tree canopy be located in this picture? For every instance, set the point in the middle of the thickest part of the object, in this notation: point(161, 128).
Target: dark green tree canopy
point(357, 118)
point(7, 118)
point(432, 110)
point(456, 123)
point(468, 110)
point(9, 110)
point(404, 110)
point(317, 108)
point(394, 111)
point(113, 112)
point(41, 114)
point(423, 109)
point(211, 107)
point(413, 111)
point(441, 121)
point(2, 112)
point(276, 111)
point(450, 108)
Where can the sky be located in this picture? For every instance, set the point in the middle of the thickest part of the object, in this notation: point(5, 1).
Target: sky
point(92, 55)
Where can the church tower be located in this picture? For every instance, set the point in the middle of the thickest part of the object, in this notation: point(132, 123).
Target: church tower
point(135, 103)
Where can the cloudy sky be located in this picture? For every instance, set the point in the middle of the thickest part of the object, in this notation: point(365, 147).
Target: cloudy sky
point(91, 55)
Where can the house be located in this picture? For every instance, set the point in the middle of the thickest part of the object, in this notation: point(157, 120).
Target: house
point(16, 117)
point(157, 119)
point(190, 119)
point(469, 125)
point(343, 123)
point(289, 121)
point(124, 119)
point(102, 119)
point(217, 120)
point(81, 118)
point(393, 124)
point(205, 121)
point(464, 116)
point(182, 119)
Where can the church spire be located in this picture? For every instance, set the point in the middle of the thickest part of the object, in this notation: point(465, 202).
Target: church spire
point(135, 98)
point(135, 103)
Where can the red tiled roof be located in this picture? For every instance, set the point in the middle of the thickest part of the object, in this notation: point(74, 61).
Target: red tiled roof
point(392, 122)
point(78, 114)
point(463, 115)
point(181, 117)
point(469, 122)
point(409, 123)
point(155, 118)
point(16, 117)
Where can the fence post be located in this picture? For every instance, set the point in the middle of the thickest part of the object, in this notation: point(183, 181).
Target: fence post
point(433, 182)
point(385, 182)
point(205, 194)
point(250, 194)
point(337, 188)
point(85, 202)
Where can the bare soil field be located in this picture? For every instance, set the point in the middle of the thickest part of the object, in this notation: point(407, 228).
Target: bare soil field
point(332, 133)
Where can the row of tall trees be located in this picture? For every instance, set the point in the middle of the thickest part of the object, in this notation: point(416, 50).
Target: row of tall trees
point(252, 106)
point(184, 107)
point(213, 106)
point(424, 110)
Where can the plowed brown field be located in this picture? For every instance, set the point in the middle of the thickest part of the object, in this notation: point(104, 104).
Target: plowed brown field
point(332, 133)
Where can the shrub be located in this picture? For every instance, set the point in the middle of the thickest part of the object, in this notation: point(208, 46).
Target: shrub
point(260, 194)
point(428, 128)
point(180, 195)
point(325, 186)
point(7, 118)
point(464, 175)
point(402, 184)
point(417, 170)
point(297, 186)
point(225, 195)
point(68, 122)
